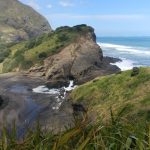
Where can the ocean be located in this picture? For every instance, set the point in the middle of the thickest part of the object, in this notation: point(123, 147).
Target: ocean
point(133, 51)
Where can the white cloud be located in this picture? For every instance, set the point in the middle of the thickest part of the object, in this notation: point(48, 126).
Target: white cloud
point(98, 17)
point(34, 4)
point(66, 3)
point(49, 6)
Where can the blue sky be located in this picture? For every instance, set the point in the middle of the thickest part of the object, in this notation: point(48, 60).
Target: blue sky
point(108, 17)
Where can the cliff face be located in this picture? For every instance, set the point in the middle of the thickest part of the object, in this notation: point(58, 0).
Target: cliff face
point(75, 60)
point(20, 22)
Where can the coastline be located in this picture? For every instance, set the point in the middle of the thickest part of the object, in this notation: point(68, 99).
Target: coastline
point(25, 107)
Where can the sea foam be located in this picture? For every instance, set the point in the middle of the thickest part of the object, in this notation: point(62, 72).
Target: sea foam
point(59, 93)
point(125, 64)
point(126, 49)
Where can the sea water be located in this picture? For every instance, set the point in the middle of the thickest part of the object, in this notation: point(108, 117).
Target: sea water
point(58, 93)
point(133, 51)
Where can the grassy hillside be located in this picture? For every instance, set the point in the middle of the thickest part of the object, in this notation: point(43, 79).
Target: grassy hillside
point(26, 54)
point(117, 92)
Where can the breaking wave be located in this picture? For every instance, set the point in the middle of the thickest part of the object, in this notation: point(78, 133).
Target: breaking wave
point(126, 49)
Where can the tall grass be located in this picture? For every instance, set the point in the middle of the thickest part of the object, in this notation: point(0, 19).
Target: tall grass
point(115, 134)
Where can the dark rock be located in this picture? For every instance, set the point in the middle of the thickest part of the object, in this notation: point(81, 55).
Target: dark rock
point(1, 100)
point(56, 84)
point(78, 108)
point(135, 71)
point(119, 72)
point(79, 113)
point(111, 59)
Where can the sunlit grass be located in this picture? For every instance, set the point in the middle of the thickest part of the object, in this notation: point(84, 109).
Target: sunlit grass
point(116, 91)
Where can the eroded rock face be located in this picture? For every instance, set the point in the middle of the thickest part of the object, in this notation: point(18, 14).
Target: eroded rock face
point(75, 60)
point(20, 22)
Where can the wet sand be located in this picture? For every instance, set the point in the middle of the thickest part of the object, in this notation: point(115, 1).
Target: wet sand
point(25, 107)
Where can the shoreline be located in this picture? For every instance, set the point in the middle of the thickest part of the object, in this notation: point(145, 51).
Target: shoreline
point(25, 106)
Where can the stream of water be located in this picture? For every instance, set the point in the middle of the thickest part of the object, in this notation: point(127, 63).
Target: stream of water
point(59, 93)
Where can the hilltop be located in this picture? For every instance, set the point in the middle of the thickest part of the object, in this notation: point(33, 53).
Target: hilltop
point(20, 22)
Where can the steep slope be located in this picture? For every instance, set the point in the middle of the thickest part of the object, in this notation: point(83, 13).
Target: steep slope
point(20, 22)
point(68, 52)
point(117, 92)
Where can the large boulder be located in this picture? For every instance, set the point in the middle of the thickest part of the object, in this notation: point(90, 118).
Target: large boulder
point(20, 22)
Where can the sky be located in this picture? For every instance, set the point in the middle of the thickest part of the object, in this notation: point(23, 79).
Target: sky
point(108, 17)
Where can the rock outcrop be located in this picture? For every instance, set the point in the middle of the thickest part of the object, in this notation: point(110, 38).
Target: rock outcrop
point(20, 22)
point(1, 101)
point(81, 60)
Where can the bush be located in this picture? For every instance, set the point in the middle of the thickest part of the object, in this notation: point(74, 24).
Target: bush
point(30, 44)
point(39, 40)
point(26, 64)
point(62, 37)
point(135, 71)
point(42, 55)
point(4, 52)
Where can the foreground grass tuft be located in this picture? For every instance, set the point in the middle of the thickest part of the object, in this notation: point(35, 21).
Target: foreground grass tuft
point(116, 134)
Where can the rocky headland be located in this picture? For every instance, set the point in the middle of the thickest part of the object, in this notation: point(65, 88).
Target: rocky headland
point(81, 60)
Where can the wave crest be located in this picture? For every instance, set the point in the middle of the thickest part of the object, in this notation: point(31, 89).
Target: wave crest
point(126, 49)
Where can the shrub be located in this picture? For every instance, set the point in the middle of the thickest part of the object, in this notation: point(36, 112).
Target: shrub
point(30, 44)
point(39, 40)
point(135, 71)
point(62, 37)
point(26, 64)
point(42, 55)
point(4, 52)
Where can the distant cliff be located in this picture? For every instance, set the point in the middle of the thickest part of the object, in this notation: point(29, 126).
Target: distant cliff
point(20, 22)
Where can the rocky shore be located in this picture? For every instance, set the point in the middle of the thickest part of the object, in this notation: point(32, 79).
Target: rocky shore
point(25, 107)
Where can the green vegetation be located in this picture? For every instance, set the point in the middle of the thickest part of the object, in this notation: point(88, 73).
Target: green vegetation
point(116, 91)
point(4, 52)
point(28, 53)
